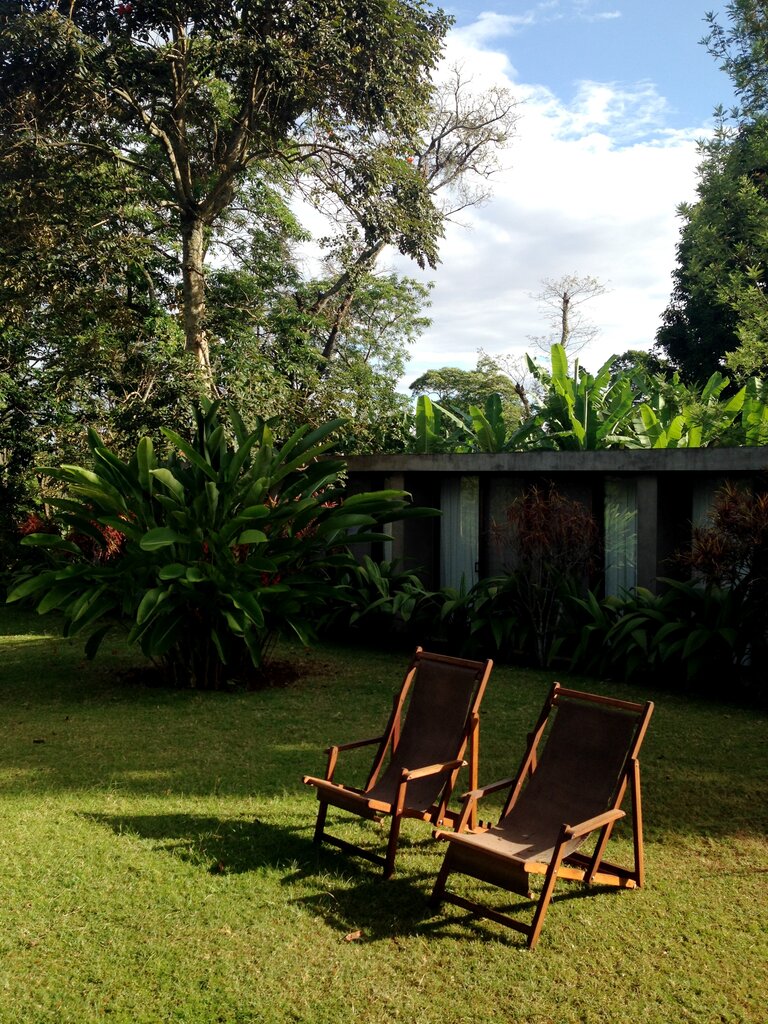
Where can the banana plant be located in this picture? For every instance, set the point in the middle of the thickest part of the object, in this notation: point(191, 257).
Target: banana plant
point(429, 436)
point(754, 413)
point(226, 542)
point(677, 417)
point(582, 411)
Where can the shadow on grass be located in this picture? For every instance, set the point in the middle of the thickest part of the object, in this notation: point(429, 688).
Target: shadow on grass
point(351, 895)
point(399, 908)
point(235, 845)
point(221, 846)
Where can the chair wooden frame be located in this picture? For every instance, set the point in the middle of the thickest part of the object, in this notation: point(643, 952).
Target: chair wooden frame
point(362, 803)
point(510, 871)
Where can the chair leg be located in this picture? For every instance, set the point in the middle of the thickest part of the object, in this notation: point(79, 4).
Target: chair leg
point(322, 811)
point(637, 825)
point(436, 898)
point(546, 895)
point(394, 835)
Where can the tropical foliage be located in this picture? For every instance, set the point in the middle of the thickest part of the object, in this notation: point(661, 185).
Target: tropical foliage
point(711, 629)
point(581, 411)
point(550, 543)
point(690, 632)
point(223, 544)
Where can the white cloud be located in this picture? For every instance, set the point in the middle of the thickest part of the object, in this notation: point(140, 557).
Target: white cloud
point(493, 26)
point(592, 188)
point(583, 10)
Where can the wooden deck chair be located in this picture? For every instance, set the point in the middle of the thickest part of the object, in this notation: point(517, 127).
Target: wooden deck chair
point(568, 786)
point(426, 745)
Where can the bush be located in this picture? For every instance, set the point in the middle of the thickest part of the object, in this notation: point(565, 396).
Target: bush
point(226, 542)
point(553, 541)
point(377, 601)
point(689, 635)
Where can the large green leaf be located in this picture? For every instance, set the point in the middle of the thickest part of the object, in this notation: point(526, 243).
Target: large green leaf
point(212, 497)
point(145, 462)
point(149, 604)
point(95, 639)
point(252, 537)
point(190, 452)
point(160, 537)
point(248, 603)
point(30, 586)
point(172, 571)
point(58, 596)
point(559, 358)
point(50, 540)
point(427, 428)
point(169, 481)
point(343, 521)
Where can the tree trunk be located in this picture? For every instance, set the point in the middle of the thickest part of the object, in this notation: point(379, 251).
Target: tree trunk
point(565, 327)
point(330, 343)
point(193, 293)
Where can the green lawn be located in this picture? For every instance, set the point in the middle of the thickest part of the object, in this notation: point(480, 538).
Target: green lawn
point(157, 862)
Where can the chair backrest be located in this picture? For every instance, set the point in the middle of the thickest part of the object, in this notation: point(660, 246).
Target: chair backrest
point(444, 693)
point(581, 770)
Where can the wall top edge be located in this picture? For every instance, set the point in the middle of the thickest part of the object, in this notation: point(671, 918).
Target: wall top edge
point(675, 460)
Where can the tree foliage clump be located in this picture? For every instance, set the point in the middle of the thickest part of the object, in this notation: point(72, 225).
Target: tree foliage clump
point(158, 163)
point(718, 317)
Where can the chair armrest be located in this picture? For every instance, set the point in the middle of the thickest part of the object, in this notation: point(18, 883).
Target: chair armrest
point(584, 827)
point(493, 787)
point(470, 799)
point(354, 744)
point(432, 769)
point(333, 753)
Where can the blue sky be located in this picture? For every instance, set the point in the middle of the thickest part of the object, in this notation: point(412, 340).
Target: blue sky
point(613, 96)
point(559, 43)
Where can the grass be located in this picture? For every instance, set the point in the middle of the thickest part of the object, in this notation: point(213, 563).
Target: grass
point(158, 864)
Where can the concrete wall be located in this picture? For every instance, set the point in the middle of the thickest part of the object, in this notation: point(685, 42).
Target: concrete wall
point(672, 486)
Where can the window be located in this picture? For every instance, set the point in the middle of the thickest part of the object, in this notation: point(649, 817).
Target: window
point(459, 531)
point(620, 536)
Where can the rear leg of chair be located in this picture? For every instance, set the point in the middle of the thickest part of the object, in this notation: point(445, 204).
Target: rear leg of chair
point(394, 836)
point(436, 898)
point(322, 812)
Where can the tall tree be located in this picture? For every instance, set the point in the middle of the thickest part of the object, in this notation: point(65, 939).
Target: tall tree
point(718, 315)
point(721, 256)
point(455, 154)
point(199, 97)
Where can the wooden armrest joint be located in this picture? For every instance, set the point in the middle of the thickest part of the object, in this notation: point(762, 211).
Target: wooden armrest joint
point(599, 821)
point(492, 787)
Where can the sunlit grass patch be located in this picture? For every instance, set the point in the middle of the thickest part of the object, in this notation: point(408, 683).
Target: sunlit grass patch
point(158, 863)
